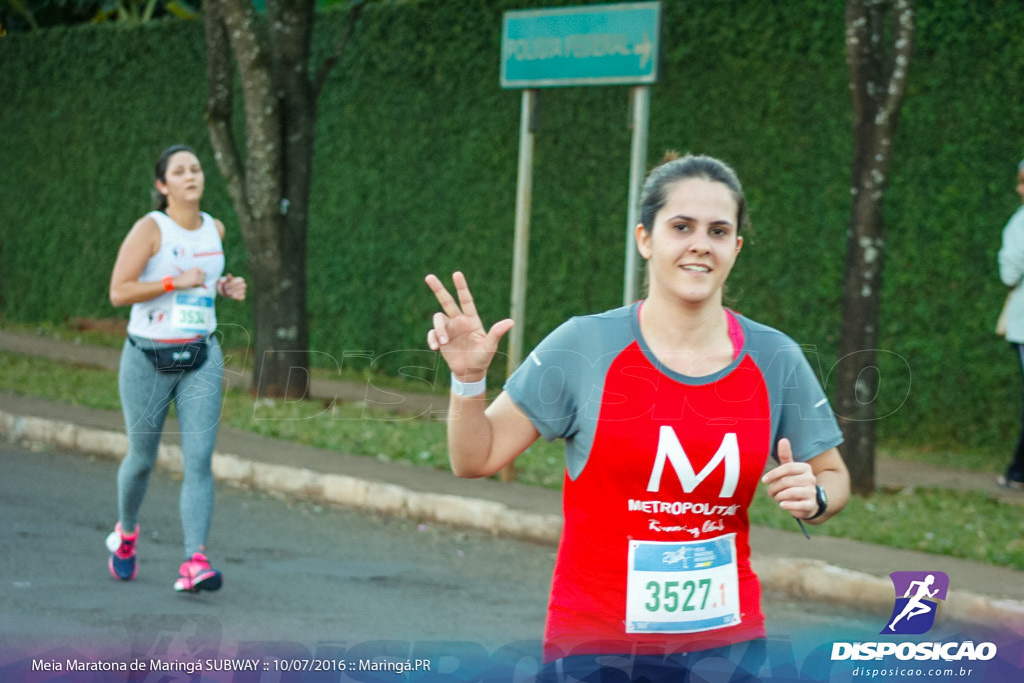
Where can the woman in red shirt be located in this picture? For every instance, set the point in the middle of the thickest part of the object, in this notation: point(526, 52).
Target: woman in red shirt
point(669, 409)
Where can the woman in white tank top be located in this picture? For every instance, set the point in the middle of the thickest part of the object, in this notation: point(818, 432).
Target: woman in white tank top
point(169, 269)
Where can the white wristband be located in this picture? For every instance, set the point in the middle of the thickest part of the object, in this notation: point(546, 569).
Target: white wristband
point(469, 389)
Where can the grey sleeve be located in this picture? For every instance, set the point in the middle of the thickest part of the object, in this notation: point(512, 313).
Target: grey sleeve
point(800, 409)
point(545, 384)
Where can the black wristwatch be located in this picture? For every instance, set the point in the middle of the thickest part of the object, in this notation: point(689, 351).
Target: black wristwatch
point(822, 502)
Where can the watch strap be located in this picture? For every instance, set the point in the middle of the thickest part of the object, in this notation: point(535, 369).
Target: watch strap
point(822, 502)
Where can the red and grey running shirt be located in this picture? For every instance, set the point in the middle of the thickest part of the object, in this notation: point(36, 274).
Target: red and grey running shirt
point(660, 471)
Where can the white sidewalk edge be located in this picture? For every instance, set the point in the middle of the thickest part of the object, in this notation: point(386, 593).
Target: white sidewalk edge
point(799, 578)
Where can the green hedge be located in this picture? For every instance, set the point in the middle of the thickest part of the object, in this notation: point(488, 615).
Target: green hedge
point(416, 167)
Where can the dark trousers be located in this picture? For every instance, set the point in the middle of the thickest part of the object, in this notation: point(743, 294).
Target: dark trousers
point(1015, 470)
point(739, 663)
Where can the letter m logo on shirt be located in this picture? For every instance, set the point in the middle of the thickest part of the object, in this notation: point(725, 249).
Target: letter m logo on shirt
point(670, 449)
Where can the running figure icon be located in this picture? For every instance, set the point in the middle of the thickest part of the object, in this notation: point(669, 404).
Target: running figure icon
point(916, 606)
point(920, 594)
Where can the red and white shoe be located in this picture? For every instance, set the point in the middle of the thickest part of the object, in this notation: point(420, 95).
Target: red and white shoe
point(122, 553)
point(196, 575)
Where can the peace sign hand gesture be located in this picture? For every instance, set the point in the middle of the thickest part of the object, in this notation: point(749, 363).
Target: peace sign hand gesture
point(459, 334)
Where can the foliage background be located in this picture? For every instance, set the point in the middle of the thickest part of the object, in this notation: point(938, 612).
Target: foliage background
point(416, 167)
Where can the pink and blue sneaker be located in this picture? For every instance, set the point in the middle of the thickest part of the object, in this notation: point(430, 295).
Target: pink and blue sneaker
point(196, 575)
point(122, 553)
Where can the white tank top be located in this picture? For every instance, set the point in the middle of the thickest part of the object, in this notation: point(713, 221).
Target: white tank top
point(183, 313)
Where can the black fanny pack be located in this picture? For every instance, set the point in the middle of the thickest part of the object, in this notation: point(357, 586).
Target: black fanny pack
point(184, 358)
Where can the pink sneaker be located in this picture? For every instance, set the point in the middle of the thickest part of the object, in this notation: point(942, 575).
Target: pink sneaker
point(122, 553)
point(196, 575)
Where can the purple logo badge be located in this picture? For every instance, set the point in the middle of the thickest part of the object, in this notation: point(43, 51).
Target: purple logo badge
point(917, 596)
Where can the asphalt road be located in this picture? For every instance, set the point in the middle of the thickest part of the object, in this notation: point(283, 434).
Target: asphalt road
point(295, 574)
point(302, 582)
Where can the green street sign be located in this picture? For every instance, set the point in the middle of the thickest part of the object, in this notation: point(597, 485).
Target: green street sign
point(591, 45)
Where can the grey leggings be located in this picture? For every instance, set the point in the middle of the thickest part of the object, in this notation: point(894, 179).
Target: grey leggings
point(146, 396)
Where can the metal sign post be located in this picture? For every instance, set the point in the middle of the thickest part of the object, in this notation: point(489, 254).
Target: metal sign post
point(524, 198)
point(578, 46)
point(573, 46)
point(639, 116)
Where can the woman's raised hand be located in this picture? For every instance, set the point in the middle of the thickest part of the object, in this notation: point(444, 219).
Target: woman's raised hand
point(458, 333)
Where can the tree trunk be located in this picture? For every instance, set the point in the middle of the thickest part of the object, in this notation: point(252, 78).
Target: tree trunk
point(857, 378)
point(878, 81)
point(271, 189)
point(273, 224)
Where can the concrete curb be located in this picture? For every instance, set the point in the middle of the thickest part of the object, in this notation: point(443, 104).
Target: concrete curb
point(798, 578)
point(305, 484)
point(822, 582)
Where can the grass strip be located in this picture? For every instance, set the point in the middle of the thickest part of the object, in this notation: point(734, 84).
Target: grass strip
point(970, 525)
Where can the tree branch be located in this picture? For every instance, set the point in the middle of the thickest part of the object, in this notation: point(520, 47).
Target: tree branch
point(22, 9)
point(858, 54)
point(220, 103)
point(339, 47)
point(262, 114)
point(903, 46)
